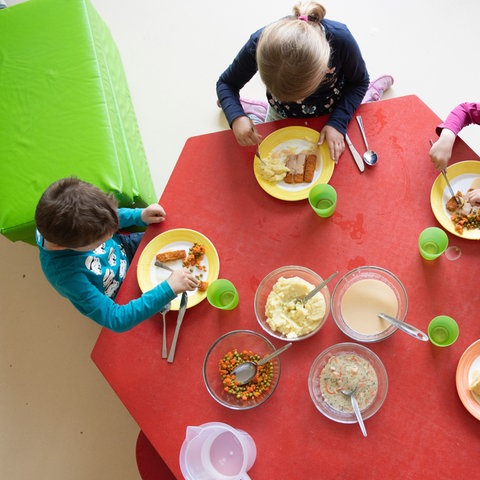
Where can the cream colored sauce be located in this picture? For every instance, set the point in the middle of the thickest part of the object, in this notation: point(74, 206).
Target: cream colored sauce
point(362, 302)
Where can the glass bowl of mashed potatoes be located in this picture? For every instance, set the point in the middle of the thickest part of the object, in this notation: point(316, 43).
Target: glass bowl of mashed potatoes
point(278, 310)
point(347, 366)
point(225, 354)
point(360, 295)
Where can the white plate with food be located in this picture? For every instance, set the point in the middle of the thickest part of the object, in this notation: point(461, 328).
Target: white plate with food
point(178, 248)
point(468, 371)
point(463, 176)
point(292, 163)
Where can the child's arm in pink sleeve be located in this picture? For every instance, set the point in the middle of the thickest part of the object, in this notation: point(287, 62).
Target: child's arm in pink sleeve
point(461, 116)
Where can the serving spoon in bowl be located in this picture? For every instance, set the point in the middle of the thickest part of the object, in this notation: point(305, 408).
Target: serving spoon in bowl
point(313, 292)
point(246, 371)
point(356, 408)
point(405, 327)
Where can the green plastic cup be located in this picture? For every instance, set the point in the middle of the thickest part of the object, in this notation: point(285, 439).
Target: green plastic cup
point(323, 199)
point(222, 294)
point(432, 242)
point(443, 331)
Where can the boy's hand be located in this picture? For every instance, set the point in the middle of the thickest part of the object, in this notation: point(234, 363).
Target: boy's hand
point(181, 280)
point(153, 214)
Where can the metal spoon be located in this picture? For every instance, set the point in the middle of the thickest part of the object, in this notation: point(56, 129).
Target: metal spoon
point(164, 311)
point(405, 327)
point(246, 371)
point(369, 157)
point(356, 409)
point(315, 290)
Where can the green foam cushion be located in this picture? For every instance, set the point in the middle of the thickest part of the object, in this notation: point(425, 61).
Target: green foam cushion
point(65, 110)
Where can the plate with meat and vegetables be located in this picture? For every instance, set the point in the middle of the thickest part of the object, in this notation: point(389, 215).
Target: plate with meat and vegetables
point(292, 163)
point(463, 220)
point(175, 249)
point(467, 379)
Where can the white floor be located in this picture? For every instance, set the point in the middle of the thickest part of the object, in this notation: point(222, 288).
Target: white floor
point(59, 418)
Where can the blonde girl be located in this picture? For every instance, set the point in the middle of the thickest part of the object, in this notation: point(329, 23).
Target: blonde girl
point(311, 66)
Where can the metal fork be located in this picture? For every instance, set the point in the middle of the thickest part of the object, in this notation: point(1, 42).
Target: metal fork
point(163, 312)
point(257, 154)
point(458, 200)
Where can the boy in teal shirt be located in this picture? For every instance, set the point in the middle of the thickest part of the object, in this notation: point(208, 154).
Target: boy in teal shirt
point(86, 260)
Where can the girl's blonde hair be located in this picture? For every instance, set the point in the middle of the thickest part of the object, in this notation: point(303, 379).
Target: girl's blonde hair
point(293, 54)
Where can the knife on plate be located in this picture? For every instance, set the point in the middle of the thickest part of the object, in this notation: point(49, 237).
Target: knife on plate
point(356, 156)
point(163, 265)
point(181, 313)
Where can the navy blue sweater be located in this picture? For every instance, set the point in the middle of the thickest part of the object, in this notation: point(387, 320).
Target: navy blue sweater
point(339, 94)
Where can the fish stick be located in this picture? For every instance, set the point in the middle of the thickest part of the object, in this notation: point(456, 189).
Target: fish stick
point(310, 164)
point(171, 255)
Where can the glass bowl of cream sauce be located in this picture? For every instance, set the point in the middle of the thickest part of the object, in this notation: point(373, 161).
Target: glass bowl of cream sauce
point(360, 295)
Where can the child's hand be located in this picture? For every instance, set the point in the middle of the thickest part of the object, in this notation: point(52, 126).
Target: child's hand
point(181, 280)
point(335, 141)
point(245, 132)
point(441, 150)
point(153, 214)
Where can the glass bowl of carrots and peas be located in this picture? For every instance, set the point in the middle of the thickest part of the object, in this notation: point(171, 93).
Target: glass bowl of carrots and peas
point(225, 354)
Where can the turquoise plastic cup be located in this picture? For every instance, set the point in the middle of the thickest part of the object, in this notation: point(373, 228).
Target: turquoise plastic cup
point(222, 294)
point(323, 199)
point(443, 331)
point(432, 242)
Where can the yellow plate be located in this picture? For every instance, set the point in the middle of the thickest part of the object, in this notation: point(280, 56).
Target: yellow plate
point(461, 175)
point(300, 138)
point(149, 275)
point(469, 362)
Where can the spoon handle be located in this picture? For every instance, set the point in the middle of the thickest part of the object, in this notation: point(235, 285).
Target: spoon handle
point(273, 354)
point(317, 289)
point(362, 130)
point(356, 409)
point(405, 327)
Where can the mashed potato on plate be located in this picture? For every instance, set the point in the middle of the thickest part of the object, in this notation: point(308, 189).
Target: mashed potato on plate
point(290, 318)
point(273, 168)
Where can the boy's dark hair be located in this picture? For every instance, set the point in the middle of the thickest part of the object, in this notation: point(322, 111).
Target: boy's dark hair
point(72, 213)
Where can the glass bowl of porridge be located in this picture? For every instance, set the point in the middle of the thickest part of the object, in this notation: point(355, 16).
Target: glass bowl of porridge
point(347, 366)
point(278, 310)
point(360, 295)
